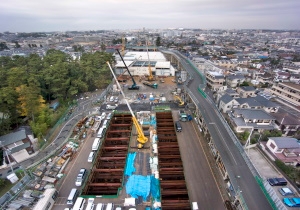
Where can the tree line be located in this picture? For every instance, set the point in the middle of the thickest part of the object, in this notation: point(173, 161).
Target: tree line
point(29, 84)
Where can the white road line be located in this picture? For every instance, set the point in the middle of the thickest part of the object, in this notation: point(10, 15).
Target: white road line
point(224, 142)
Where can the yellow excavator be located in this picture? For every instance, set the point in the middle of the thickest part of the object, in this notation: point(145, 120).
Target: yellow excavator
point(141, 138)
point(179, 101)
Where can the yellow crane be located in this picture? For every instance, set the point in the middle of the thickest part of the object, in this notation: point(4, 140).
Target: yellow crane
point(150, 77)
point(142, 139)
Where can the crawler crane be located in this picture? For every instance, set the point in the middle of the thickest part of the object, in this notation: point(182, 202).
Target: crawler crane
point(142, 139)
point(134, 86)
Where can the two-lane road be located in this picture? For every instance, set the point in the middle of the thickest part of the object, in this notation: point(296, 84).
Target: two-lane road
point(239, 172)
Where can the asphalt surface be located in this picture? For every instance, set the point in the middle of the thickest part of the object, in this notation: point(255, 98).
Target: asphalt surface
point(201, 181)
point(239, 173)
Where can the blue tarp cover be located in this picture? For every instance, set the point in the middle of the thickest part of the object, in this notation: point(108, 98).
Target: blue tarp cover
point(130, 164)
point(155, 192)
point(138, 185)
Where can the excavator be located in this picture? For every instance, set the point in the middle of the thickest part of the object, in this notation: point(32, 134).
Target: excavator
point(141, 138)
point(134, 86)
point(179, 101)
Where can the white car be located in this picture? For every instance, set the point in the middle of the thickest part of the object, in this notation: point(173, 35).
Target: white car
point(80, 177)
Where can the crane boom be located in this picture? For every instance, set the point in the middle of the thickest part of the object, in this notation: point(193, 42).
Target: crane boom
point(134, 85)
point(150, 77)
point(142, 139)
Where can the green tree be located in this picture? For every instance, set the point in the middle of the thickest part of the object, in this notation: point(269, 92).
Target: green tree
point(2, 182)
point(3, 46)
point(272, 133)
point(158, 41)
point(17, 44)
point(245, 84)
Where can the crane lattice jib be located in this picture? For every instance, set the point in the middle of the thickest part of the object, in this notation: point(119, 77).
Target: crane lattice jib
point(141, 137)
point(149, 65)
point(133, 81)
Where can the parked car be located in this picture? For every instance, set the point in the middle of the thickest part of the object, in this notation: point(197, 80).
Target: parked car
point(277, 181)
point(292, 202)
point(80, 177)
point(285, 191)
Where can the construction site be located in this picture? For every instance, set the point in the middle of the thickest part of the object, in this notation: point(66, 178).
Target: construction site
point(139, 158)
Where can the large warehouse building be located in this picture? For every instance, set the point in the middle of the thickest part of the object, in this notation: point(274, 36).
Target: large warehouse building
point(138, 64)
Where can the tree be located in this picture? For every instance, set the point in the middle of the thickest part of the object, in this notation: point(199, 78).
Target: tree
point(103, 47)
point(2, 182)
point(158, 41)
point(272, 133)
point(245, 84)
point(3, 46)
point(17, 44)
point(30, 102)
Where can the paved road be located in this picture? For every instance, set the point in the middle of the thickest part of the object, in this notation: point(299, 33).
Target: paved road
point(201, 181)
point(235, 164)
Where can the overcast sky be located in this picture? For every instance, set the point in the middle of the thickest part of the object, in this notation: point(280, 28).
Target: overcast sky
point(63, 15)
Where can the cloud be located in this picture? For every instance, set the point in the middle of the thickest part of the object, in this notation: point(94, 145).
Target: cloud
point(31, 15)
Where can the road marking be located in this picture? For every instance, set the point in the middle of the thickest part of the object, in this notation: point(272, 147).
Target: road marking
point(208, 164)
point(225, 142)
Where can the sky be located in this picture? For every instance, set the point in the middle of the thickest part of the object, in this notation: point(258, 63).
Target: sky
point(66, 15)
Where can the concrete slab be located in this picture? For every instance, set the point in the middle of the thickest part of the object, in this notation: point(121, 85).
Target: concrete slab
point(262, 164)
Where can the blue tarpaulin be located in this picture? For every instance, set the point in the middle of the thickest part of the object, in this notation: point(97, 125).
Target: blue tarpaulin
point(130, 164)
point(138, 185)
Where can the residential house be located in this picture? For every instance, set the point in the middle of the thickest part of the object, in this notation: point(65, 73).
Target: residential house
point(227, 103)
point(246, 91)
point(18, 145)
point(282, 77)
point(214, 80)
point(234, 80)
point(289, 124)
point(285, 149)
point(251, 119)
point(228, 91)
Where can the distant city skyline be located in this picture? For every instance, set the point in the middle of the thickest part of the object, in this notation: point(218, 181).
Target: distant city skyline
point(68, 15)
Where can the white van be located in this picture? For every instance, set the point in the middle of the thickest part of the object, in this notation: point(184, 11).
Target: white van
point(100, 206)
point(100, 133)
point(96, 144)
point(72, 196)
point(90, 205)
point(110, 206)
point(105, 124)
point(111, 99)
point(91, 157)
